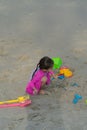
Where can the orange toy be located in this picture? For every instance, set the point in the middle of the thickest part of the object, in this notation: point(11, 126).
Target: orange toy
point(66, 71)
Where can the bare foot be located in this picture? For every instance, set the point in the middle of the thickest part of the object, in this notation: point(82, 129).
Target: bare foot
point(42, 92)
point(47, 93)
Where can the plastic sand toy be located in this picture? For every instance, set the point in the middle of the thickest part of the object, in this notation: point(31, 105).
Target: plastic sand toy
point(59, 77)
point(77, 97)
point(57, 62)
point(66, 72)
point(86, 101)
point(74, 85)
point(18, 100)
point(22, 104)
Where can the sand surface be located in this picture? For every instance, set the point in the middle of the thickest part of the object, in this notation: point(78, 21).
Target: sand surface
point(28, 31)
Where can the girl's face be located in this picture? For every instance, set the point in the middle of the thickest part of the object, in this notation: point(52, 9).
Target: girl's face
point(50, 69)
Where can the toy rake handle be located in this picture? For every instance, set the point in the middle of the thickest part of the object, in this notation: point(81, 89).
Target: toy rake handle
point(26, 103)
point(19, 99)
point(10, 101)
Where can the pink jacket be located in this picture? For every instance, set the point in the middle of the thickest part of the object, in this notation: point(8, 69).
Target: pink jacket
point(36, 81)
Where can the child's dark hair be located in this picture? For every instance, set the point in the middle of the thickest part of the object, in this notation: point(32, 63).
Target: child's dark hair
point(44, 63)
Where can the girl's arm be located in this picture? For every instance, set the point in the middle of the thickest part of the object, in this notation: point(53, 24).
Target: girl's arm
point(52, 74)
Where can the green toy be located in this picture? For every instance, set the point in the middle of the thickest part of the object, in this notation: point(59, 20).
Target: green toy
point(86, 101)
point(57, 62)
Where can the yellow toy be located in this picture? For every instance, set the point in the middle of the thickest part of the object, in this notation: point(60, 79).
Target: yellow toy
point(18, 100)
point(66, 72)
point(86, 101)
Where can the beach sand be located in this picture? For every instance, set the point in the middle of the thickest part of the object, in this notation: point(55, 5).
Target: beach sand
point(30, 30)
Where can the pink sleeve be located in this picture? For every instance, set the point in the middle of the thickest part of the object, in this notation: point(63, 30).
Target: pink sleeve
point(51, 73)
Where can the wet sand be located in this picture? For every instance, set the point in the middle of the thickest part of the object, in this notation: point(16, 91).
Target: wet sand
point(28, 31)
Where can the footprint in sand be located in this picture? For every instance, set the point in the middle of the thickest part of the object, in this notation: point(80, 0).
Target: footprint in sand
point(36, 117)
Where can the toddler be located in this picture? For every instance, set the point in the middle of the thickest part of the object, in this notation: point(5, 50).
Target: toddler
point(41, 76)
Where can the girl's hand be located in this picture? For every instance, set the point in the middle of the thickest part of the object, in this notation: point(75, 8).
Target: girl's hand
point(35, 91)
point(55, 76)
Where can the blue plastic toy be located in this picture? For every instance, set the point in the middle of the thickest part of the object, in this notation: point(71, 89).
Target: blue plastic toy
point(75, 101)
point(74, 85)
point(77, 97)
point(61, 76)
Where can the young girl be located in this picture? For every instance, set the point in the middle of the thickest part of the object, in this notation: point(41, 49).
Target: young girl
point(41, 76)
